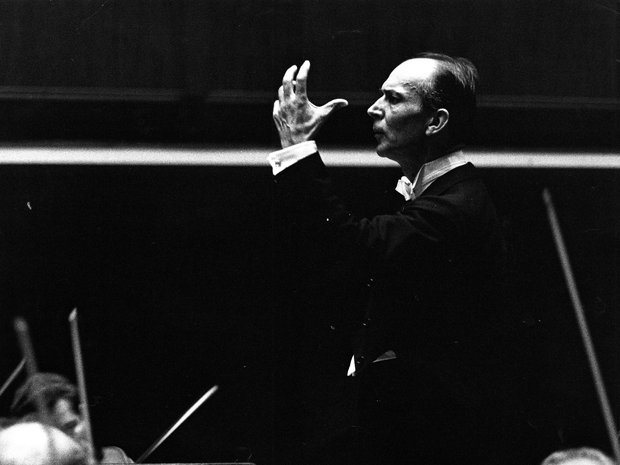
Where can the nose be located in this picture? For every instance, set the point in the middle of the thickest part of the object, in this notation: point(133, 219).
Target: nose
point(374, 111)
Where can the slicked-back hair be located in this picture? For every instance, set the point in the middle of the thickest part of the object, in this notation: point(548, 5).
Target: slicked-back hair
point(453, 87)
point(588, 453)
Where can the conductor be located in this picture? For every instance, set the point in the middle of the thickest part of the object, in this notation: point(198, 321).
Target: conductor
point(427, 343)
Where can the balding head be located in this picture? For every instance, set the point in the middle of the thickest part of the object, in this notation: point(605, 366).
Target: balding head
point(36, 444)
point(416, 72)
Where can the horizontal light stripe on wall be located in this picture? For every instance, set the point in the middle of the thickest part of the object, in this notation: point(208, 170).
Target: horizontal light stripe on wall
point(256, 156)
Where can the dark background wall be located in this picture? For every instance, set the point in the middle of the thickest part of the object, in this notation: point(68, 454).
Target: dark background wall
point(185, 70)
point(171, 266)
point(554, 48)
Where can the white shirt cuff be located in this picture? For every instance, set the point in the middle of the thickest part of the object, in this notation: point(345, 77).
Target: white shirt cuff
point(282, 159)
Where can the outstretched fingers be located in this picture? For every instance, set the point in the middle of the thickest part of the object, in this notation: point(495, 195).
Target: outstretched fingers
point(334, 105)
point(296, 118)
point(301, 88)
point(276, 114)
point(287, 82)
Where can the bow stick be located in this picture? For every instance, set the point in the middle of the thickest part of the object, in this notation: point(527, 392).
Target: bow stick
point(12, 376)
point(25, 343)
point(583, 325)
point(79, 369)
point(29, 360)
point(170, 430)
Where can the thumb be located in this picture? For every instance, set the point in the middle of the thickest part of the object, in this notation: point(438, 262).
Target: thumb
point(334, 105)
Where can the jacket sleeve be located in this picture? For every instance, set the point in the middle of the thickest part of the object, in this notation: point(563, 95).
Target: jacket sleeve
point(425, 227)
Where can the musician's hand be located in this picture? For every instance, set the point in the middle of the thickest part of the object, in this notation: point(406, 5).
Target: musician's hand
point(296, 118)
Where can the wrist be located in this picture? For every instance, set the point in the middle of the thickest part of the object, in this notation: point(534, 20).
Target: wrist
point(287, 156)
point(294, 139)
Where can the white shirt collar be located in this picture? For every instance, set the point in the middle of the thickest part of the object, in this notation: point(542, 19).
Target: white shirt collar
point(428, 173)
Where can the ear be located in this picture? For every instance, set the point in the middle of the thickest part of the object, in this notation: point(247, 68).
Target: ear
point(437, 122)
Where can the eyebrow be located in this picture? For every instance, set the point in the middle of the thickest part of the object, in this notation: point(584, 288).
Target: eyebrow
point(391, 91)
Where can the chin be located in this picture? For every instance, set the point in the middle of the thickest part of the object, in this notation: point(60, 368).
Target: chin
point(381, 151)
point(384, 153)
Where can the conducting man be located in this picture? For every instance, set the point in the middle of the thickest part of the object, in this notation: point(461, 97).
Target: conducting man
point(428, 334)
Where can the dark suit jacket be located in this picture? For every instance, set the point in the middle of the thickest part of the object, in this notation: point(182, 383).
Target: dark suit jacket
point(431, 273)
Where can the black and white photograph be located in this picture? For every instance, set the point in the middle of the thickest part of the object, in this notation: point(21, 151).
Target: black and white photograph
point(310, 232)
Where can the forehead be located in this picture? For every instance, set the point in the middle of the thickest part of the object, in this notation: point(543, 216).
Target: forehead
point(410, 74)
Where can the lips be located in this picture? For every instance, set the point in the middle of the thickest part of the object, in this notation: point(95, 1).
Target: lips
point(378, 135)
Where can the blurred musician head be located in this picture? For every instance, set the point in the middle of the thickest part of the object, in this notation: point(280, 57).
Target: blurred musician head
point(581, 456)
point(60, 398)
point(32, 443)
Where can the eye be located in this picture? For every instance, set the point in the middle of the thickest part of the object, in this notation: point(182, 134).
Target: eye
point(391, 97)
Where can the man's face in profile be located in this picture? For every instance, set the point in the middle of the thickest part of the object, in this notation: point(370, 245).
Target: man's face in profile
point(399, 118)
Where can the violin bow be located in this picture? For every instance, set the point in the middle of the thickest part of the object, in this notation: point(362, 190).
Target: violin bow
point(583, 325)
point(178, 423)
point(25, 343)
point(12, 376)
point(29, 360)
point(81, 380)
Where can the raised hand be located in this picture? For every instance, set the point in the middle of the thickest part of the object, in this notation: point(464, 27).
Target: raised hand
point(296, 118)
